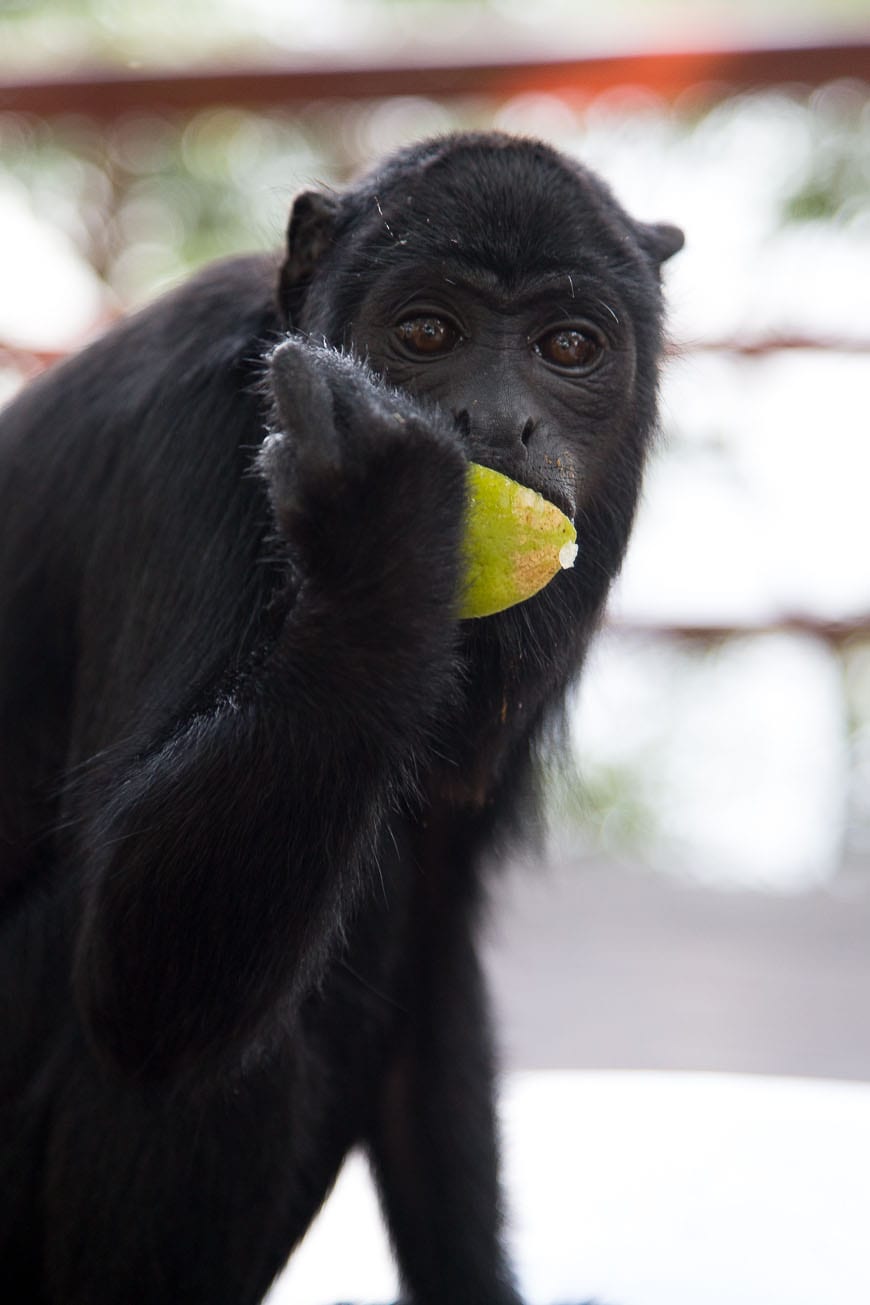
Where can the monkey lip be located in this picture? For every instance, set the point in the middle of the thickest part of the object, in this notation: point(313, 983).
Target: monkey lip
point(551, 477)
point(557, 482)
point(558, 491)
point(557, 494)
point(563, 501)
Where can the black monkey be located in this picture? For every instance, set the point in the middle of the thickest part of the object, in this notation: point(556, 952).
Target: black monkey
point(252, 763)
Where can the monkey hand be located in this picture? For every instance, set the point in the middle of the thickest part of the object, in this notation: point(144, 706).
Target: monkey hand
point(367, 486)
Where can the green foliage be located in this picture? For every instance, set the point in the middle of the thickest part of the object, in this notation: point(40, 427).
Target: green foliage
point(605, 806)
point(834, 185)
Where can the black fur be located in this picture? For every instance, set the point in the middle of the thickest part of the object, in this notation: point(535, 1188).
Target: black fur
point(251, 761)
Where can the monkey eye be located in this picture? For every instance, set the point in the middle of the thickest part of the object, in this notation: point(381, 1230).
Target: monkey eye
point(427, 336)
point(570, 348)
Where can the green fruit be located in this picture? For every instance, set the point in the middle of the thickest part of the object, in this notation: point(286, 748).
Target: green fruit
point(515, 542)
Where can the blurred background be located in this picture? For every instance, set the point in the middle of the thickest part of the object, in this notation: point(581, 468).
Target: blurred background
point(701, 899)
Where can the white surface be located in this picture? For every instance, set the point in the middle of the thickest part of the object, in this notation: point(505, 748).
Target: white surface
point(650, 1189)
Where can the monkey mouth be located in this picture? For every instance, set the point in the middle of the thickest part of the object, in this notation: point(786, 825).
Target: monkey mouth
point(564, 501)
point(553, 481)
point(559, 492)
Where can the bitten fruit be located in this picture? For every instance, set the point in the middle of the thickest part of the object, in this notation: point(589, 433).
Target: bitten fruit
point(515, 543)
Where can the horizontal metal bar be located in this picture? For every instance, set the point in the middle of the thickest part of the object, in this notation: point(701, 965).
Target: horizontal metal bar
point(711, 73)
point(765, 345)
point(27, 359)
point(836, 632)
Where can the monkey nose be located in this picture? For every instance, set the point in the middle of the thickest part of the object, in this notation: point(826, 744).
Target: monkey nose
point(498, 432)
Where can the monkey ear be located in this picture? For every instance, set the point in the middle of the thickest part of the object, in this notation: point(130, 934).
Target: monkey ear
point(309, 235)
point(660, 239)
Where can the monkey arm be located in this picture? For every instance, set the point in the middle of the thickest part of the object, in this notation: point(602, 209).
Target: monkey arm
point(237, 845)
